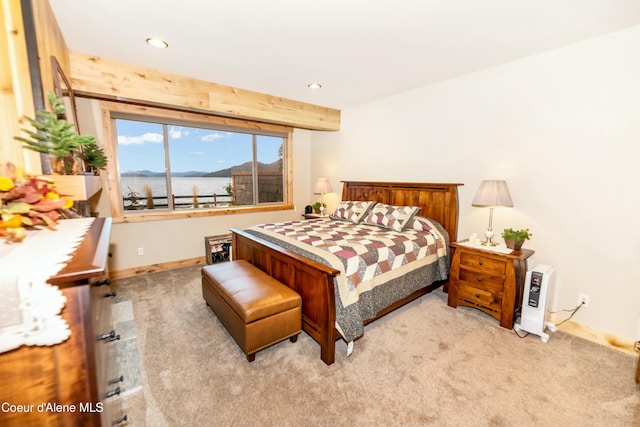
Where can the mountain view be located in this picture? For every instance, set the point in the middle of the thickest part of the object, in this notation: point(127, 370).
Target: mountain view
point(222, 173)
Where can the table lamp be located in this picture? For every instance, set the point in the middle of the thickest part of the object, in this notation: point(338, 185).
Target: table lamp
point(492, 194)
point(322, 186)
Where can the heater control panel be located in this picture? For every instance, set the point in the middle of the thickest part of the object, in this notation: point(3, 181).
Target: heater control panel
point(534, 288)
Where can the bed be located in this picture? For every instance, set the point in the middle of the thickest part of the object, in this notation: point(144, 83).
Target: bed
point(318, 281)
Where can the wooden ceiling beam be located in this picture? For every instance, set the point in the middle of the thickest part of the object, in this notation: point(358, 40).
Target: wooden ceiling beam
point(97, 77)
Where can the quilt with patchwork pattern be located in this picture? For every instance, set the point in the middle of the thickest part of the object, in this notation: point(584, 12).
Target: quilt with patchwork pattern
point(378, 266)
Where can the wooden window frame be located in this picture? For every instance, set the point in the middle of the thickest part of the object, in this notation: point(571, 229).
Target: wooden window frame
point(108, 108)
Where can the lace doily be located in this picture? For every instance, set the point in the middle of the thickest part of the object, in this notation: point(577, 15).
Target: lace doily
point(501, 248)
point(29, 307)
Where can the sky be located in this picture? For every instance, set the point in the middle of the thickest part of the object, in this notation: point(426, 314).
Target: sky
point(141, 147)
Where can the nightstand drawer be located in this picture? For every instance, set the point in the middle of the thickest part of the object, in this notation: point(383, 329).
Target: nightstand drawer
point(486, 301)
point(487, 282)
point(484, 263)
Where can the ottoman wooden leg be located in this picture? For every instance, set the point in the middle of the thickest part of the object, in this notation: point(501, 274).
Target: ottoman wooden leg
point(294, 338)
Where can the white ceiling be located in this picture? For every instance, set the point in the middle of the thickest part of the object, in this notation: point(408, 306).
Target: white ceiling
point(359, 50)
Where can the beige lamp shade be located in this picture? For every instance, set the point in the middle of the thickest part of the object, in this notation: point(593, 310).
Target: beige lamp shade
point(323, 186)
point(492, 194)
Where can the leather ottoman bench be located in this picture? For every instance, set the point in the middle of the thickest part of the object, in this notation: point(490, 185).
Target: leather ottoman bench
point(256, 309)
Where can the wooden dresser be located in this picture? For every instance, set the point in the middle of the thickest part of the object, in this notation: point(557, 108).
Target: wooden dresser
point(75, 382)
point(490, 281)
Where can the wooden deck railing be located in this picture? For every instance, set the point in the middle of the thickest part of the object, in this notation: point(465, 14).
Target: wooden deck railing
point(161, 202)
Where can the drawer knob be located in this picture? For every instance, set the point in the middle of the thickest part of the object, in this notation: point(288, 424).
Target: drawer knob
point(116, 380)
point(113, 392)
point(104, 282)
point(111, 294)
point(477, 295)
point(479, 279)
point(110, 336)
point(481, 262)
point(119, 420)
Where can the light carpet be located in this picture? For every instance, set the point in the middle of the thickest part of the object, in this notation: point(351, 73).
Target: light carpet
point(128, 359)
point(425, 364)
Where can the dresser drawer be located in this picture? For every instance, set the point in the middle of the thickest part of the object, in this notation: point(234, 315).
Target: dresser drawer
point(492, 284)
point(100, 310)
point(483, 263)
point(481, 299)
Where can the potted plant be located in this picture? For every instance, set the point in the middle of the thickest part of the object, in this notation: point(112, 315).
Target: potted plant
point(515, 238)
point(55, 136)
point(94, 158)
point(316, 207)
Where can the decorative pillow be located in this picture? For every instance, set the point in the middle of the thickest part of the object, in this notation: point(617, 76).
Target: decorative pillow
point(351, 211)
point(395, 218)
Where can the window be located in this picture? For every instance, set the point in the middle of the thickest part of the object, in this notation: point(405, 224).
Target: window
point(170, 162)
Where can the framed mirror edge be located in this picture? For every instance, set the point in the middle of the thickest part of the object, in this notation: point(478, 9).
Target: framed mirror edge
point(59, 78)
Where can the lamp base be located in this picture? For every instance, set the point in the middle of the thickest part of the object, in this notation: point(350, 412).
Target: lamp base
point(489, 235)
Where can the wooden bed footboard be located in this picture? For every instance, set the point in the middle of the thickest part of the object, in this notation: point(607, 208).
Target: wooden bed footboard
point(312, 280)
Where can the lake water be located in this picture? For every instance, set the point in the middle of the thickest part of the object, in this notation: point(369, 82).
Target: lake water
point(180, 186)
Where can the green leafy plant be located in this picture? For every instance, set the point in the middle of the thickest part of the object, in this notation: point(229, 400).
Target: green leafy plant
point(55, 136)
point(94, 157)
point(516, 235)
point(317, 205)
point(230, 191)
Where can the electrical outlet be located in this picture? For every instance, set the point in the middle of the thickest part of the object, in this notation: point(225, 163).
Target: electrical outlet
point(140, 251)
point(584, 300)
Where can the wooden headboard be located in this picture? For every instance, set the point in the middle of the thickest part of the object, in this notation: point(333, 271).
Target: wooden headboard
point(437, 201)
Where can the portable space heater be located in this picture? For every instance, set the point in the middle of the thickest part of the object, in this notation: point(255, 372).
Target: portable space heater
point(538, 288)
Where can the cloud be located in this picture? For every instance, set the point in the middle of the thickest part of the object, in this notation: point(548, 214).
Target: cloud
point(212, 136)
point(177, 132)
point(141, 139)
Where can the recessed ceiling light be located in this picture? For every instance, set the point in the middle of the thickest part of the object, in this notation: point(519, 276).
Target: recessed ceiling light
point(155, 42)
point(314, 85)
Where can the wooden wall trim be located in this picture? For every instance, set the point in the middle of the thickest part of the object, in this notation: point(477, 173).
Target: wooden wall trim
point(16, 96)
point(50, 42)
point(155, 268)
point(96, 77)
point(594, 335)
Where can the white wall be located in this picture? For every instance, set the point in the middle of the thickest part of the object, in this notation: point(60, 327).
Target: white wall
point(563, 128)
point(179, 239)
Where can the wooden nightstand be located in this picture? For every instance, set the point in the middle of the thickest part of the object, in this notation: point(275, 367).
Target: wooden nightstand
point(489, 281)
point(313, 215)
